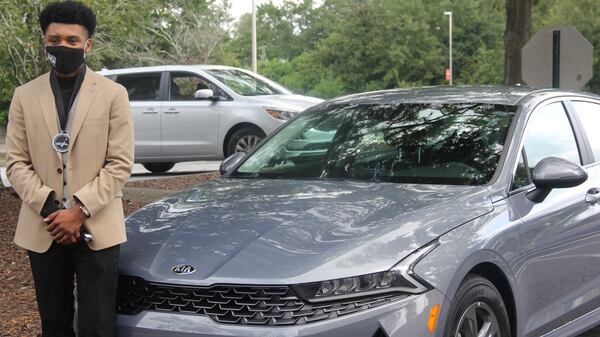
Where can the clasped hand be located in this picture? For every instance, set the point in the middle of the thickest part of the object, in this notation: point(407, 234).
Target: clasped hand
point(64, 225)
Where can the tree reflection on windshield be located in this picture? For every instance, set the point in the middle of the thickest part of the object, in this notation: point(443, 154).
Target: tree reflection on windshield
point(245, 84)
point(409, 143)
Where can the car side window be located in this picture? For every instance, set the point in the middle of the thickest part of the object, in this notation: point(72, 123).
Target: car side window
point(183, 86)
point(589, 114)
point(548, 134)
point(522, 174)
point(141, 87)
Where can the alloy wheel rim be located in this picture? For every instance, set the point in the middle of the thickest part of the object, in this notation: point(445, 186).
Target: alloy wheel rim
point(478, 320)
point(246, 143)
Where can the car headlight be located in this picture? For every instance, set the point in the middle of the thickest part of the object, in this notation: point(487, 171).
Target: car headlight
point(399, 279)
point(280, 114)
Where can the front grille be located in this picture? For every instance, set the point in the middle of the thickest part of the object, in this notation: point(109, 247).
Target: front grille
point(236, 304)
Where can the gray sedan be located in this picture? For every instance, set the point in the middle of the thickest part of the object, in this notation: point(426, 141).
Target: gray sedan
point(450, 211)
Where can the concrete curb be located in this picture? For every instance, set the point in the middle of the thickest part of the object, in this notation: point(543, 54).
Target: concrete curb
point(3, 177)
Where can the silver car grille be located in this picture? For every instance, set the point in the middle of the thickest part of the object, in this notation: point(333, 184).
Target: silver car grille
point(237, 304)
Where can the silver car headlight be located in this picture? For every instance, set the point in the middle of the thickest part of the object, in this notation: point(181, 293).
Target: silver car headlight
point(280, 113)
point(399, 279)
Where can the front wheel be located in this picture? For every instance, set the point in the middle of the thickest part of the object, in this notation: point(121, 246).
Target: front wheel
point(477, 310)
point(158, 167)
point(243, 140)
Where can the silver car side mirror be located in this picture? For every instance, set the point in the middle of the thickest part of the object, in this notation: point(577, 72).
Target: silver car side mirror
point(204, 94)
point(554, 172)
point(230, 162)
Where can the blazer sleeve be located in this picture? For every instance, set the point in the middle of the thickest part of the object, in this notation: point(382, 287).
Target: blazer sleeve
point(19, 168)
point(119, 158)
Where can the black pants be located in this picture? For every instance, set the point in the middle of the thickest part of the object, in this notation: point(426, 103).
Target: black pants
point(97, 276)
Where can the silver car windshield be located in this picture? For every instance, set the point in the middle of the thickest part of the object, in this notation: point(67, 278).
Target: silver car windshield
point(455, 144)
point(243, 83)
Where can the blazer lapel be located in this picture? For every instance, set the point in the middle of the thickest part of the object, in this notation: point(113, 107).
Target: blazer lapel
point(48, 107)
point(86, 96)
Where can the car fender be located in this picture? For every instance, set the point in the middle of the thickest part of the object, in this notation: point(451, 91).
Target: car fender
point(488, 239)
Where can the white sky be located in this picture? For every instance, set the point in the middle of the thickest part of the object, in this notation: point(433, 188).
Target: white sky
point(239, 7)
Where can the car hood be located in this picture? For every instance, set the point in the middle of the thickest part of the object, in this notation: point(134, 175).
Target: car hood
point(294, 103)
point(289, 231)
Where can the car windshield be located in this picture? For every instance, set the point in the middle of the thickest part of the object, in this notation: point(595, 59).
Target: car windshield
point(245, 84)
point(454, 144)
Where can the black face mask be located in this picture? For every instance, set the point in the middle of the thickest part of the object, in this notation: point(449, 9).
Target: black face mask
point(65, 60)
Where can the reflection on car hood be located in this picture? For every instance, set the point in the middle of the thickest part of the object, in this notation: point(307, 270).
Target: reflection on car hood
point(290, 231)
point(291, 102)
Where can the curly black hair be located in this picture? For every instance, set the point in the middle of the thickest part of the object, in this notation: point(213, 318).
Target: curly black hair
point(68, 12)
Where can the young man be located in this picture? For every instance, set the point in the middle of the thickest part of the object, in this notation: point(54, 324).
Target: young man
point(69, 152)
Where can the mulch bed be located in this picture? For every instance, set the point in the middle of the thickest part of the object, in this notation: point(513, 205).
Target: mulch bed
point(18, 309)
point(174, 183)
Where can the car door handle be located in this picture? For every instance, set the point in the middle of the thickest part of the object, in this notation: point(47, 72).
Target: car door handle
point(171, 111)
point(592, 196)
point(150, 111)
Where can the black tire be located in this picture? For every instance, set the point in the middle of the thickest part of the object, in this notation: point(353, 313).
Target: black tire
point(158, 167)
point(477, 301)
point(243, 140)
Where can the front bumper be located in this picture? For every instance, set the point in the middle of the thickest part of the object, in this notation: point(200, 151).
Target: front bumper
point(403, 318)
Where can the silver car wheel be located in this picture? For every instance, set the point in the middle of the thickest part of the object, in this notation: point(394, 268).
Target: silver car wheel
point(246, 143)
point(478, 320)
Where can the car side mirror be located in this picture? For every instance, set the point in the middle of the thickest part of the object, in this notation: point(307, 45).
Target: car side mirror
point(205, 94)
point(230, 162)
point(554, 172)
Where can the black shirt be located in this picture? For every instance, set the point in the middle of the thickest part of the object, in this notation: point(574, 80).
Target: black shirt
point(67, 84)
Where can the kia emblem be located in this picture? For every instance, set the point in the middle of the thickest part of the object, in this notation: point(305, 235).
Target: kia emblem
point(183, 269)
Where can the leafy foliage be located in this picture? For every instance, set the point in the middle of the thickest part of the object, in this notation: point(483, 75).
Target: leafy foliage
point(129, 33)
point(582, 14)
point(323, 48)
point(352, 46)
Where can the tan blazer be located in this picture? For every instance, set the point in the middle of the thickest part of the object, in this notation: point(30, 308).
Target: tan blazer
point(99, 160)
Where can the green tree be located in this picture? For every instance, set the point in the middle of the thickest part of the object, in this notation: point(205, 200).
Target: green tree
point(478, 43)
point(285, 32)
point(582, 14)
point(21, 57)
point(129, 33)
point(379, 44)
point(350, 46)
point(186, 32)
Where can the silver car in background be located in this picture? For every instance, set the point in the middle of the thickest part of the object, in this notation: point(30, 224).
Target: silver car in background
point(202, 112)
point(441, 212)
